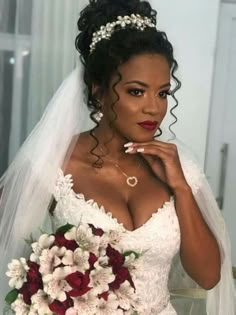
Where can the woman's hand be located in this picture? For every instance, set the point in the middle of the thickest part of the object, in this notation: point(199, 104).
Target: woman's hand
point(163, 159)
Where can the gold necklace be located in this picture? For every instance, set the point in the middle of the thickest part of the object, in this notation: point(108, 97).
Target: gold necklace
point(131, 181)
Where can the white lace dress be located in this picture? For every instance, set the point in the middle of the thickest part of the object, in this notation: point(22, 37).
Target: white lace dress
point(159, 237)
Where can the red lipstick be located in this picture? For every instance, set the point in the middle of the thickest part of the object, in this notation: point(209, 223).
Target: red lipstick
point(148, 124)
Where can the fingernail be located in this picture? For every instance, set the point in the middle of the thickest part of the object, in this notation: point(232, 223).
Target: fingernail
point(129, 150)
point(140, 150)
point(129, 144)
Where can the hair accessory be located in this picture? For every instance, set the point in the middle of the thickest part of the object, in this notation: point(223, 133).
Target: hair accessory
point(106, 31)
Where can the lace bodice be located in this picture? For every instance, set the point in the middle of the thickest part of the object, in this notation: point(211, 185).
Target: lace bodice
point(159, 237)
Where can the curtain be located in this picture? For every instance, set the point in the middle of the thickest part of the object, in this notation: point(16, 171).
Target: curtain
point(53, 52)
point(7, 28)
point(36, 53)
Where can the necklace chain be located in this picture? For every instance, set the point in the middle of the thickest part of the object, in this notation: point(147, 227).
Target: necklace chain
point(131, 181)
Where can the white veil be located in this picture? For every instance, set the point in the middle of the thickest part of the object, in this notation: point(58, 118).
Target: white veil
point(221, 300)
point(26, 190)
point(27, 184)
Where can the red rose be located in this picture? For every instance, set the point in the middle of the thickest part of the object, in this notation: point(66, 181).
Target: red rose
point(30, 288)
point(60, 308)
point(92, 260)
point(79, 283)
point(104, 295)
point(33, 273)
point(61, 241)
point(33, 284)
point(121, 276)
point(96, 231)
point(26, 293)
point(116, 260)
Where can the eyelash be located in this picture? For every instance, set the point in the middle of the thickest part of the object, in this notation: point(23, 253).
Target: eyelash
point(131, 91)
point(167, 93)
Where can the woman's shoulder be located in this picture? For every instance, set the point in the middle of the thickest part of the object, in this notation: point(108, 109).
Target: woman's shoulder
point(79, 157)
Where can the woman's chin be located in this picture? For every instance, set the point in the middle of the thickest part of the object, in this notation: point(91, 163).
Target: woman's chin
point(143, 138)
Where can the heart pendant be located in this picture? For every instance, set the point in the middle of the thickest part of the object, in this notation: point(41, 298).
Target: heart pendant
point(132, 181)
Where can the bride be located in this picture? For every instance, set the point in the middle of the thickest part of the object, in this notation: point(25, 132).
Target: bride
point(125, 172)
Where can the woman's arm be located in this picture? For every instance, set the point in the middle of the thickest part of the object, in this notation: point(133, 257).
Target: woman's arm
point(199, 250)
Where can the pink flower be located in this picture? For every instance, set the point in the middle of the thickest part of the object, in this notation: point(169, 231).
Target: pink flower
point(79, 283)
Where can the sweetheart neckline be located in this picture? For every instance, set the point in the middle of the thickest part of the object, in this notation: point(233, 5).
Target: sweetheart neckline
point(109, 214)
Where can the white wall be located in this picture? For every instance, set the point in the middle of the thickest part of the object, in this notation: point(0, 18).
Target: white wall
point(191, 26)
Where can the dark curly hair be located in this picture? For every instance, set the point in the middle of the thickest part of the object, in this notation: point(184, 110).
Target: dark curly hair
point(103, 62)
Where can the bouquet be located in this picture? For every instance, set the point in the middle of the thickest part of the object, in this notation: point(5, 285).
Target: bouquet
point(78, 270)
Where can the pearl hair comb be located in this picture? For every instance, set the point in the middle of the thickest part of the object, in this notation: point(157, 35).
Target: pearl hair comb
point(106, 31)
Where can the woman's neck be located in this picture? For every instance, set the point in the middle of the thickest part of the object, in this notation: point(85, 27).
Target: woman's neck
point(110, 143)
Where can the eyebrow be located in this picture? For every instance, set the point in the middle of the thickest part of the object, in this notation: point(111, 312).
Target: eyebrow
point(146, 85)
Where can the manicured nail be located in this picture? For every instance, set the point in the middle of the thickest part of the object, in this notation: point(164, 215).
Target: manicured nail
point(140, 150)
point(129, 150)
point(129, 144)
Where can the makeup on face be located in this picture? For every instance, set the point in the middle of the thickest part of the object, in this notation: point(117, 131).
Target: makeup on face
point(148, 125)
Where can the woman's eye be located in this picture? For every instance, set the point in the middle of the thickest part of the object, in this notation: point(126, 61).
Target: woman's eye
point(136, 92)
point(164, 94)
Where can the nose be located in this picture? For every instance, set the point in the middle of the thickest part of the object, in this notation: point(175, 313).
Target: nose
point(151, 105)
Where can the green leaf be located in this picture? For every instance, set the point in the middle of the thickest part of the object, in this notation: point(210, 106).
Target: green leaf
point(11, 296)
point(129, 252)
point(65, 228)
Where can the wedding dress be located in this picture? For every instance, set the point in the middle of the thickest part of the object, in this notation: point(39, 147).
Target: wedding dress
point(27, 187)
point(158, 237)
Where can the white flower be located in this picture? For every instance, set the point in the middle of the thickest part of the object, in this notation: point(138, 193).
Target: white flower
point(108, 307)
point(125, 295)
point(61, 272)
point(56, 289)
point(84, 237)
point(115, 237)
point(19, 306)
point(100, 278)
point(17, 272)
point(72, 311)
point(112, 237)
point(102, 261)
point(50, 258)
point(132, 312)
point(78, 258)
point(68, 258)
point(134, 265)
point(33, 312)
point(40, 302)
point(45, 241)
point(86, 304)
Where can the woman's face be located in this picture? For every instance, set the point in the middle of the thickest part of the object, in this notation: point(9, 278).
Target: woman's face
point(143, 92)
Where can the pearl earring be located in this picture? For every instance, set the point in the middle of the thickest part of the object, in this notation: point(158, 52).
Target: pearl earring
point(98, 116)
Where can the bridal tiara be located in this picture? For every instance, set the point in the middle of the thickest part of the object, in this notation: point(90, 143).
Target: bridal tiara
point(106, 31)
